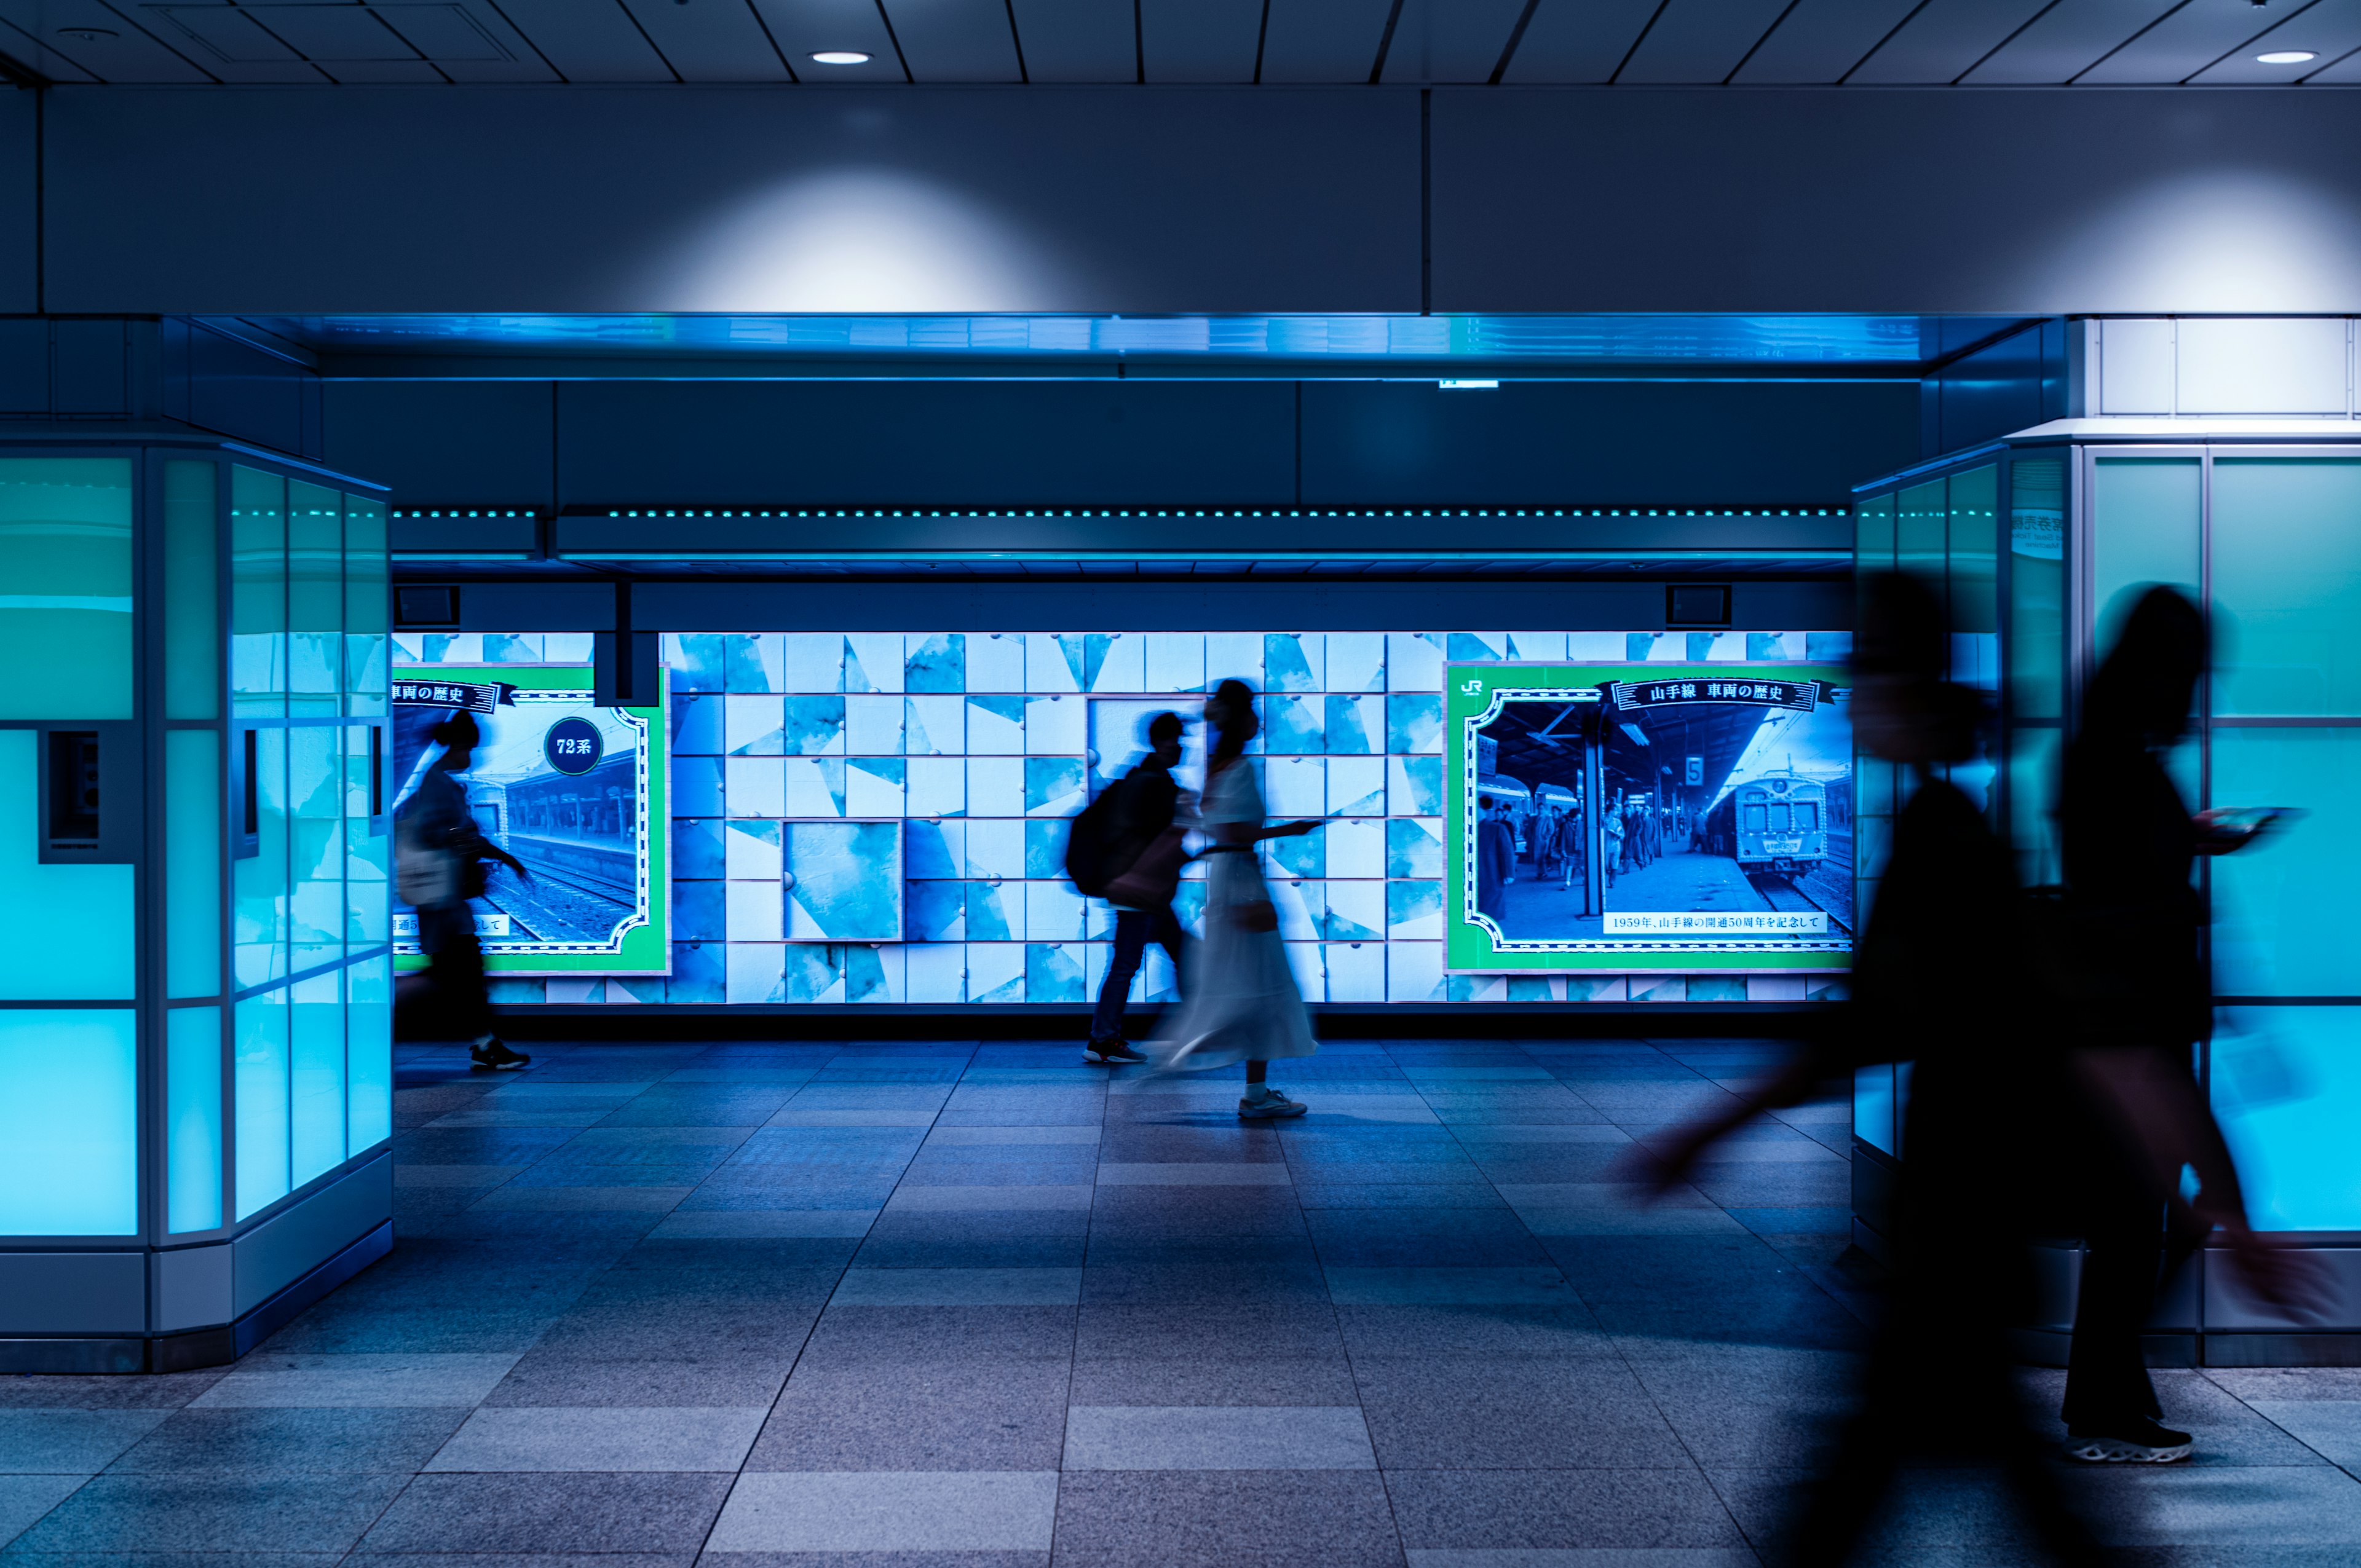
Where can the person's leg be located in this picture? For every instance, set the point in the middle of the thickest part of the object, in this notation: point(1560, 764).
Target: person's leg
point(446, 934)
point(1131, 928)
point(1164, 930)
point(2108, 1393)
point(1256, 1071)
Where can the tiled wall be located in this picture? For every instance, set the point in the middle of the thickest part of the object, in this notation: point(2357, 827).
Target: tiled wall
point(981, 743)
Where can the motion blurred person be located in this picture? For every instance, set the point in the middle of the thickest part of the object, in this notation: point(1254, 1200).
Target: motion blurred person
point(440, 856)
point(1241, 1004)
point(1939, 1374)
point(2140, 1001)
point(1142, 896)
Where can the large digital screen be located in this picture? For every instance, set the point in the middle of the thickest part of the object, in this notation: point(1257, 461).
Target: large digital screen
point(576, 791)
point(1656, 817)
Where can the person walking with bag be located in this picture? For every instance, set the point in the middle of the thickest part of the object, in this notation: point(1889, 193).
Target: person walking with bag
point(1146, 847)
point(439, 867)
point(1241, 1002)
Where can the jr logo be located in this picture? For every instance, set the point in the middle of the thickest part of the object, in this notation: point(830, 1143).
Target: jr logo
point(1471, 686)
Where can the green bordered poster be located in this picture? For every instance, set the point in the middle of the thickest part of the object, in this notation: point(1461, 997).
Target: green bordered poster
point(576, 791)
point(1664, 819)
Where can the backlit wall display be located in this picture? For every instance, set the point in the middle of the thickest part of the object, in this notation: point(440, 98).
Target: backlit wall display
point(881, 817)
point(576, 791)
point(1648, 817)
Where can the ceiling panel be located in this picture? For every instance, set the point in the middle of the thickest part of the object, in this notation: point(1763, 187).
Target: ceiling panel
point(383, 70)
point(324, 33)
point(1199, 40)
point(2343, 72)
point(2330, 29)
point(2063, 41)
point(230, 44)
point(711, 40)
point(29, 49)
point(1821, 40)
point(805, 27)
point(588, 40)
point(1322, 40)
point(1577, 40)
point(955, 40)
point(2184, 43)
point(1451, 40)
point(113, 48)
point(1945, 39)
point(1078, 41)
point(468, 41)
point(1700, 40)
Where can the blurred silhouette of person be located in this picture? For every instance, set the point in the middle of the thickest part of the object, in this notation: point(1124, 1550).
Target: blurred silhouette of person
point(1241, 1002)
point(2140, 1003)
point(1142, 895)
point(1939, 1375)
point(441, 852)
point(1495, 861)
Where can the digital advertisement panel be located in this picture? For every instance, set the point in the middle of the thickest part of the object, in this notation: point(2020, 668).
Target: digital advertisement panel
point(1648, 818)
point(577, 792)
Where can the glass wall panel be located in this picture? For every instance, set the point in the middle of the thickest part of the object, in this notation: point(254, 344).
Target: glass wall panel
point(2037, 588)
point(1872, 1106)
point(2287, 585)
point(1921, 521)
point(367, 661)
point(192, 592)
point(258, 883)
point(1974, 561)
point(260, 1078)
point(2033, 778)
point(368, 1052)
point(68, 930)
point(315, 596)
point(65, 587)
point(193, 1119)
point(1874, 532)
point(193, 846)
point(257, 642)
point(2280, 907)
point(316, 1076)
point(2144, 516)
point(316, 787)
point(2285, 1082)
point(369, 911)
point(69, 1123)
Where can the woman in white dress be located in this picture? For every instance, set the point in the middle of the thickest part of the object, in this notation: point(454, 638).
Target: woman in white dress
point(1241, 1004)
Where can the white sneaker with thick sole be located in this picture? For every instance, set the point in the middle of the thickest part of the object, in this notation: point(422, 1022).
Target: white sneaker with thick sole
point(1269, 1105)
point(2144, 1444)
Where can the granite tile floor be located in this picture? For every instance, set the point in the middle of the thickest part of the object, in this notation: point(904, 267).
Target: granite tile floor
point(755, 1306)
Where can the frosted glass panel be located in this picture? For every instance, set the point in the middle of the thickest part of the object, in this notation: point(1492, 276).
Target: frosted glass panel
point(261, 1086)
point(1920, 524)
point(68, 929)
point(257, 642)
point(1873, 1105)
point(192, 843)
point(2037, 588)
point(2144, 529)
point(2283, 909)
point(258, 883)
point(315, 596)
point(193, 1119)
point(316, 1076)
point(69, 1123)
point(368, 664)
point(369, 1053)
point(2287, 585)
point(2033, 758)
point(316, 787)
point(367, 857)
point(191, 593)
point(2285, 1082)
point(65, 587)
point(1874, 533)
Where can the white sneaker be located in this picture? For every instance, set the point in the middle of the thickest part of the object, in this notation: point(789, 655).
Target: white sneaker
point(2142, 1442)
point(1269, 1105)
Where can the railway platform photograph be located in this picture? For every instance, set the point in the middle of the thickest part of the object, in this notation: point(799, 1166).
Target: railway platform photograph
point(1724, 811)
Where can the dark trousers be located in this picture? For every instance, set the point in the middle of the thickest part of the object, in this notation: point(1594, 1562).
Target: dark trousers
point(2129, 1257)
point(446, 934)
point(1134, 929)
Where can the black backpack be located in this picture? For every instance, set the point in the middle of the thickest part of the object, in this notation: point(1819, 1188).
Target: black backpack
point(1095, 842)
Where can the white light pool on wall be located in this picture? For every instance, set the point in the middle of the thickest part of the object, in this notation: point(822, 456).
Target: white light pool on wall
point(854, 57)
point(2287, 57)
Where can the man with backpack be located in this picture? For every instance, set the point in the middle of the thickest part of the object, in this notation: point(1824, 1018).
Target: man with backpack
point(1125, 847)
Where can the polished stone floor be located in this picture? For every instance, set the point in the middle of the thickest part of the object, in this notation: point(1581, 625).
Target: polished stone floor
point(758, 1306)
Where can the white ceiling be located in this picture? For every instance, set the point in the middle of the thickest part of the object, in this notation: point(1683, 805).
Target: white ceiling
point(1543, 43)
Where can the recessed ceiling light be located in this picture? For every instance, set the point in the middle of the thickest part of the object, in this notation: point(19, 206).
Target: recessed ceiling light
point(2287, 57)
point(854, 57)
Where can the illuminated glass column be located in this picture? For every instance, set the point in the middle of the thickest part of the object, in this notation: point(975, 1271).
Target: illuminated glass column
point(195, 1045)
